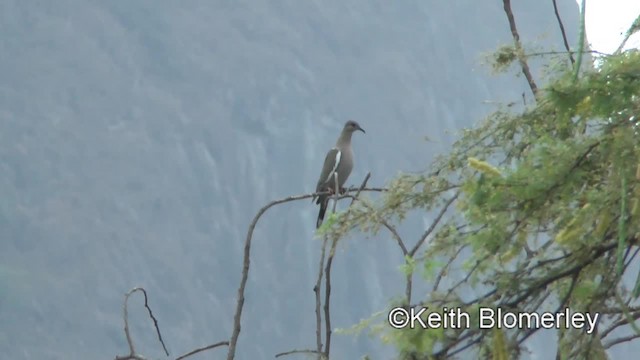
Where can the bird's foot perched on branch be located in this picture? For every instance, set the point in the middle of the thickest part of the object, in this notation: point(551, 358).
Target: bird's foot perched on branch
point(343, 190)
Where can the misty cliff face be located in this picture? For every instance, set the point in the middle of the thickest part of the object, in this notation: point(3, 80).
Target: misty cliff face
point(140, 138)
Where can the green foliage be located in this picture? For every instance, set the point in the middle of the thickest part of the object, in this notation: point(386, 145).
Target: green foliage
point(327, 223)
point(371, 323)
point(504, 57)
point(546, 212)
point(409, 266)
point(430, 267)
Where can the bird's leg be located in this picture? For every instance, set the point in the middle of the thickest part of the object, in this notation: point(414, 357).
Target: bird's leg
point(343, 190)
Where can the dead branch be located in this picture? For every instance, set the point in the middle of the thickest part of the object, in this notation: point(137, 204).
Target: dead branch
point(316, 290)
point(327, 297)
point(125, 315)
point(246, 261)
point(193, 352)
point(361, 188)
point(327, 286)
point(621, 340)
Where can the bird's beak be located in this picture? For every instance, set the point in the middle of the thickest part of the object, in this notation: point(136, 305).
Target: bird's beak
point(361, 129)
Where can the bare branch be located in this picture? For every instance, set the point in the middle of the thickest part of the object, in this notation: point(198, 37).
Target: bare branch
point(131, 357)
point(620, 340)
point(516, 40)
point(621, 322)
point(221, 343)
point(360, 188)
point(445, 268)
point(316, 290)
point(327, 297)
point(571, 271)
point(543, 53)
point(433, 225)
point(396, 236)
point(322, 356)
point(132, 352)
point(327, 284)
point(543, 298)
point(155, 321)
point(394, 232)
point(564, 34)
point(246, 263)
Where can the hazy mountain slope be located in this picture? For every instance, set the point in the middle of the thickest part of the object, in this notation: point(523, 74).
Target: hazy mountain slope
point(139, 139)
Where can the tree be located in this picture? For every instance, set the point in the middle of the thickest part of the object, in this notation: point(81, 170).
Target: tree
point(535, 211)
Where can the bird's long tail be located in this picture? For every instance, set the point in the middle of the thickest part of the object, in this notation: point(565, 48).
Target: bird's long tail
point(323, 201)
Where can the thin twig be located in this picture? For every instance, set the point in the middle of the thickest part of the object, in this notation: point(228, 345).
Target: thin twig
point(394, 232)
point(564, 34)
point(445, 268)
point(533, 330)
point(221, 343)
point(360, 188)
point(620, 340)
point(435, 222)
point(559, 275)
point(543, 53)
point(132, 352)
point(301, 352)
point(516, 40)
point(617, 324)
point(155, 321)
point(396, 236)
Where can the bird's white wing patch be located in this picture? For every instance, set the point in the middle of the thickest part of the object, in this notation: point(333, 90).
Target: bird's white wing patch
point(335, 166)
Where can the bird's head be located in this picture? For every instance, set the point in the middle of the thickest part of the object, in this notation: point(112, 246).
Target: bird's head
point(352, 126)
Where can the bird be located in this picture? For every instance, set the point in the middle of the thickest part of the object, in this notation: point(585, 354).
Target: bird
point(339, 160)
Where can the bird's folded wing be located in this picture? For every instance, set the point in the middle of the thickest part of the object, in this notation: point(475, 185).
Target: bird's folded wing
point(331, 162)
